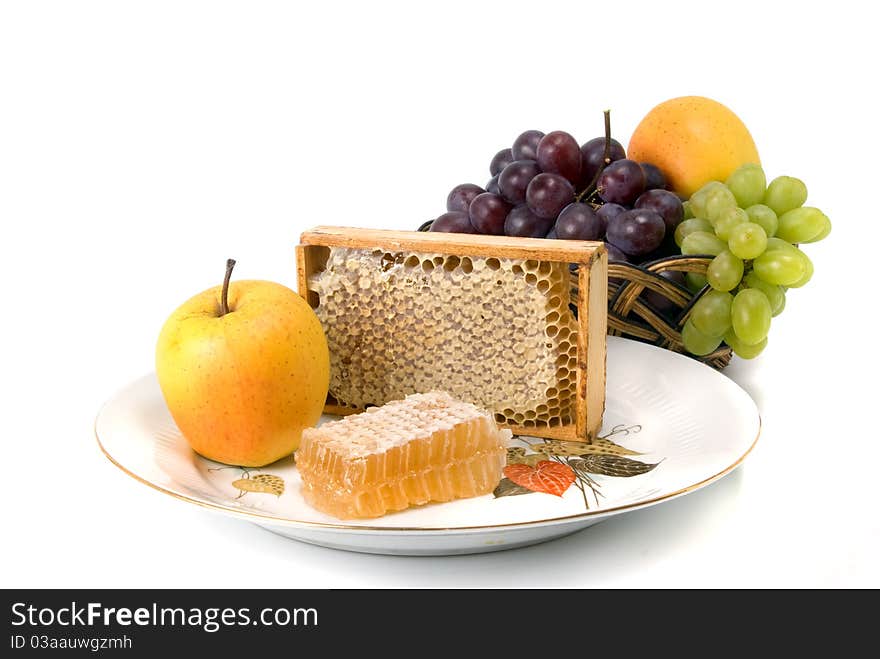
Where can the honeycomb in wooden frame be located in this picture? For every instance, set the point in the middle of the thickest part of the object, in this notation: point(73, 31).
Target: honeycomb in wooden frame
point(497, 332)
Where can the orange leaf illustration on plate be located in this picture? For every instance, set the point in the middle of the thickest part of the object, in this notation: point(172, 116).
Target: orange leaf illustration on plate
point(546, 476)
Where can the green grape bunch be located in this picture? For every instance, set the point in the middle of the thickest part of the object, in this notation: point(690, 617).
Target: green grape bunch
point(753, 231)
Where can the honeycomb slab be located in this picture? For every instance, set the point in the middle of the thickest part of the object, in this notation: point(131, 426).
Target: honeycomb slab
point(426, 447)
point(496, 332)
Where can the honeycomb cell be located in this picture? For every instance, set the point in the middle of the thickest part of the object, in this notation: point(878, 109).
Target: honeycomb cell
point(426, 447)
point(496, 332)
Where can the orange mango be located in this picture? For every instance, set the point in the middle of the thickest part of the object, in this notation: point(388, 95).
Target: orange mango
point(693, 140)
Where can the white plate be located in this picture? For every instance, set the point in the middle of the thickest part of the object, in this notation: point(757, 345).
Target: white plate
point(691, 421)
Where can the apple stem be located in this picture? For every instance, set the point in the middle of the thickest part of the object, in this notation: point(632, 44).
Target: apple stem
point(224, 295)
point(588, 191)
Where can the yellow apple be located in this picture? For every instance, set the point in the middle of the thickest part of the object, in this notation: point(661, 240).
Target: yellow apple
point(244, 368)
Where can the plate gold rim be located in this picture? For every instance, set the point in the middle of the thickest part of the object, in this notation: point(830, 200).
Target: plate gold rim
point(281, 521)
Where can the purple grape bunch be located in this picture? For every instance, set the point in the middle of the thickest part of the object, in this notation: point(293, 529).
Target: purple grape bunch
point(547, 186)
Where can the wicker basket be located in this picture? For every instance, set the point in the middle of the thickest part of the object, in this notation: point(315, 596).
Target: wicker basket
point(631, 317)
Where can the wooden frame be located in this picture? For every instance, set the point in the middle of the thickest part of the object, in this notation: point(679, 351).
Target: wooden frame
point(592, 294)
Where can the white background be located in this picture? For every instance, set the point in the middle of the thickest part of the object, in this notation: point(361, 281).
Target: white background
point(141, 144)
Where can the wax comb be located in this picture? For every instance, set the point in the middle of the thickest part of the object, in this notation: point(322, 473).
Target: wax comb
point(489, 319)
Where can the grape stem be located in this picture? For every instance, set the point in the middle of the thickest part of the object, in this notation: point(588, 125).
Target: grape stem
point(606, 160)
